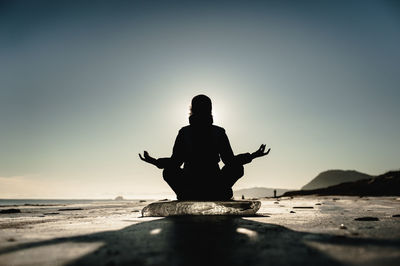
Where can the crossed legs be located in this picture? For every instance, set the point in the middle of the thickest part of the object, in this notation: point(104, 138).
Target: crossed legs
point(219, 187)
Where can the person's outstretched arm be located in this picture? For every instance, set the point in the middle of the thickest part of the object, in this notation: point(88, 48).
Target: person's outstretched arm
point(160, 163)
point(228, 156)
point(148, 159)
point(248, 157)
point(175, 160)
point(260, 152)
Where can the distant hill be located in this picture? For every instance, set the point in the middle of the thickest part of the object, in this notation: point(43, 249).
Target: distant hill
point(387, 184)
point(334, 177)
point(257, 192)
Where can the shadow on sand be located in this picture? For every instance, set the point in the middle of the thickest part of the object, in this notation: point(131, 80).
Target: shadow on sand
point(206, 240)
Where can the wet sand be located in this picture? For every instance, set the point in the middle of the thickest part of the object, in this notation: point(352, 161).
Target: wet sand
point(300, 231)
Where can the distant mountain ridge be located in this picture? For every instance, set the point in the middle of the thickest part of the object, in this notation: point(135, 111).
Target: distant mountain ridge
point(258, 192)
point(387, 184)
point(334, 177)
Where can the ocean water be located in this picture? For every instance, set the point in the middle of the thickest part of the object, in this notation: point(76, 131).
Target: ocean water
point(50, 202)
point(46, 202)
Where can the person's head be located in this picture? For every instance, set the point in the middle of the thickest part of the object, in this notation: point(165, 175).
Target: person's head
point(201, 105)
point(200, 111)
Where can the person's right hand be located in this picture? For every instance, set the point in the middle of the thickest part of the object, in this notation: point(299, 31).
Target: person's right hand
point(147, 158)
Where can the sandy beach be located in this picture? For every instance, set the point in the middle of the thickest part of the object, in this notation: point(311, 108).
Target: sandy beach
point(288, 231)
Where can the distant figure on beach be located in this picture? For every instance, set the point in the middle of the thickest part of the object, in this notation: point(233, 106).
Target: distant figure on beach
point(199, 147)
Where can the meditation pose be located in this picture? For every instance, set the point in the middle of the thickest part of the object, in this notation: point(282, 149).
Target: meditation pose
point(199, 147)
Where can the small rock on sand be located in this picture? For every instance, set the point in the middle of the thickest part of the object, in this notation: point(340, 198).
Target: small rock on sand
point(292, 212)
point(70, 209)
point(367, 218)
point(10, 211)
point(342, 226)
point(303, 207)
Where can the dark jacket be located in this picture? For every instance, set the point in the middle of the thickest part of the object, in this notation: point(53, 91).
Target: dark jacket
point(200, 148)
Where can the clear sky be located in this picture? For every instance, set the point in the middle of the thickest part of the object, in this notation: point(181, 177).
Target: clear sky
point(87, 85)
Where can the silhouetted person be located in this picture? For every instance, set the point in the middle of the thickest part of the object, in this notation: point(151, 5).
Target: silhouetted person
point(199, 147)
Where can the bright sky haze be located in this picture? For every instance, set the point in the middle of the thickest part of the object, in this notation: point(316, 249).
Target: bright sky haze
point(87, 85)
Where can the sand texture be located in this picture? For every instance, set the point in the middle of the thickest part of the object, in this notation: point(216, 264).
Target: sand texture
point(300, 231)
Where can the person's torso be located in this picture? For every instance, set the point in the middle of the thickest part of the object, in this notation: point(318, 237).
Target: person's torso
point(201, 148)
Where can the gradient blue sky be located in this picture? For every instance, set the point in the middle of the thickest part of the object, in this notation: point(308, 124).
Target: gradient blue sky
point(86, 85)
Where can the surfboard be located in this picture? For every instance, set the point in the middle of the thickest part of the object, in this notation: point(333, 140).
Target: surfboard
point(180, 208)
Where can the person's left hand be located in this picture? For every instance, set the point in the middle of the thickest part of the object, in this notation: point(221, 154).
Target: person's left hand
point(260, 152)
point(147, 158)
